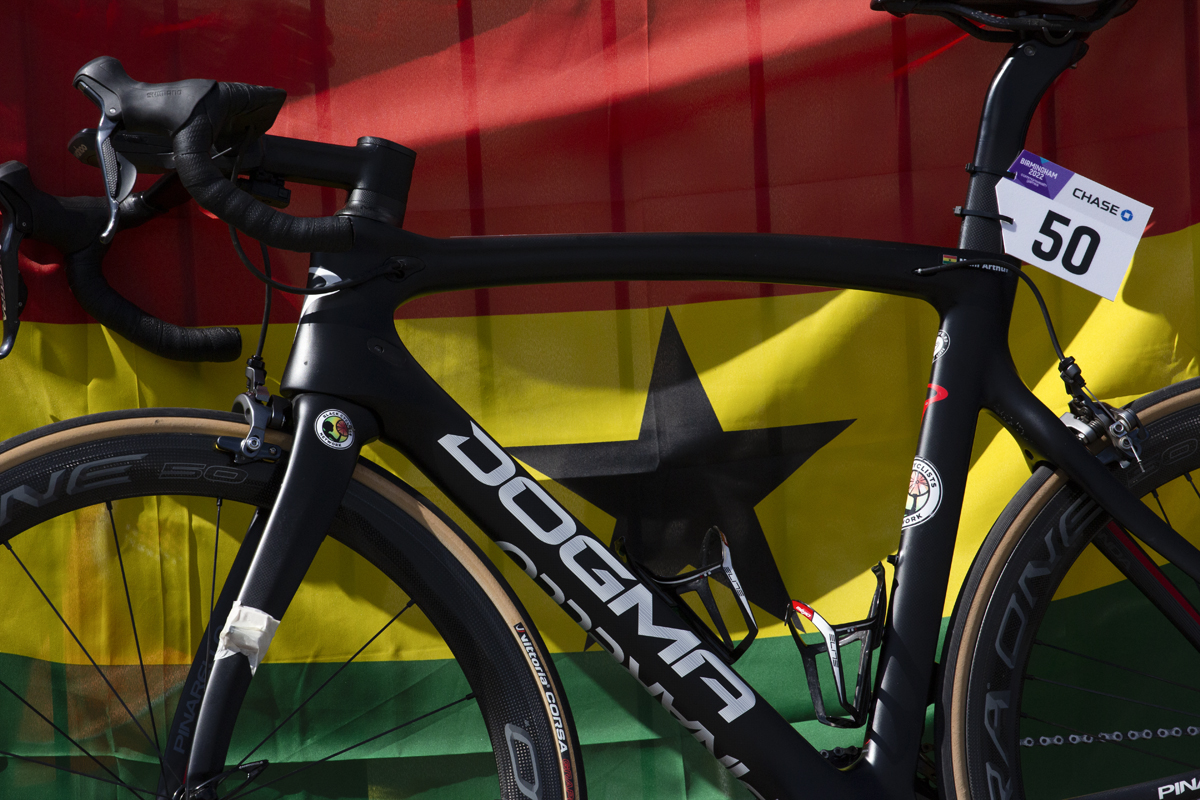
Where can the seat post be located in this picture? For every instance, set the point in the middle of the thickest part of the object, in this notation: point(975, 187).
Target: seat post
point(1024, 76)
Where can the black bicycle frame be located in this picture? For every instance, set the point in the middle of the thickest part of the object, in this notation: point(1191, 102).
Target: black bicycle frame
point(347, 349)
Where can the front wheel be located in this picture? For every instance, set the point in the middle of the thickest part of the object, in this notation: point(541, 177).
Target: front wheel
point(1072, 665)
point(410, 669)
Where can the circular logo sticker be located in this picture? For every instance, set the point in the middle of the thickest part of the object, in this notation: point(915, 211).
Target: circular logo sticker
point(334, 429)
point(924, 493)
point(941, 345)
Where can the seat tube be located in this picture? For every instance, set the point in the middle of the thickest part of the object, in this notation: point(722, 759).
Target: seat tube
point(972, 337)
point(329, 433)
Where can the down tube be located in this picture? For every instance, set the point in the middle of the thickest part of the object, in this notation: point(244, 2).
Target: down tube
point(573, 566)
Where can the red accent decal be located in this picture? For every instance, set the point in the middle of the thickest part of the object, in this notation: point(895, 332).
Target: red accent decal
point(570, 779)
point(1145, 561)
point(802, 609)
point(909, 67)
point(938, 394)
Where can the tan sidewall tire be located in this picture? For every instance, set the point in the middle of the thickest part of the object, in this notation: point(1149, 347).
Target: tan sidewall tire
point(457, 547)
point(961, 645)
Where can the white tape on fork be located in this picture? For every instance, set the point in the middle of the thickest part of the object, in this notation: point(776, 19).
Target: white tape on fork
point(247, 631)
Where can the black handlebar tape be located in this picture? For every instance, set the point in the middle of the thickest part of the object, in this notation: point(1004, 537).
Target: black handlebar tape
point(72, 225)
point(214, 192)
point(145, 330)
point(166, 193)
point(67, 223)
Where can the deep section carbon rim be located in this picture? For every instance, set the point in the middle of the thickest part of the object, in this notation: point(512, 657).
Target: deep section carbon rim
point(1083, 675)
point(119, 537)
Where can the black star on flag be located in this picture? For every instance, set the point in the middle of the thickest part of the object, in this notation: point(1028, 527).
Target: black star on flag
point(685, 473)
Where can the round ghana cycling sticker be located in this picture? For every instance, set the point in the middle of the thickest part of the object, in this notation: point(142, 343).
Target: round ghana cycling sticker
point(335, 429)
point(924, 493)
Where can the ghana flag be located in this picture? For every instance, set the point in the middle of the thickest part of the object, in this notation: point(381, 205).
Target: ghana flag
point(601, 115)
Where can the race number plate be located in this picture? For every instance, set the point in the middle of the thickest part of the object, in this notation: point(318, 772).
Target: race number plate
point(1068, 225)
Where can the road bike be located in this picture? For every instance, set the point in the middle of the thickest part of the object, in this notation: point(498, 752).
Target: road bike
point(170, 718)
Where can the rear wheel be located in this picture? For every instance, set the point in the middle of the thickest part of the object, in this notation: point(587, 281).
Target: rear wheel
point(1072, 666)
point(413, 671)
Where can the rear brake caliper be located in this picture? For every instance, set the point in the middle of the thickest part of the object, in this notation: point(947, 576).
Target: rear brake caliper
point(1091, 419)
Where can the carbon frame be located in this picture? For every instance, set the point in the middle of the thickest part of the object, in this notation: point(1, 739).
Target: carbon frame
point(346, 347)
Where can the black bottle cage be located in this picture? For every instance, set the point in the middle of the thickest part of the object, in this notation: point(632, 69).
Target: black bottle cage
point(718, 567)
point(868, 631)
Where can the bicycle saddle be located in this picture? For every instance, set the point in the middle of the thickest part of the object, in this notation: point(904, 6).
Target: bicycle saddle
point(1014, 17)
point(1024, 7)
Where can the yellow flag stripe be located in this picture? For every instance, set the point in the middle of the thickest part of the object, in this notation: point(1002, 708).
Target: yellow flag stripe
point(582, 376)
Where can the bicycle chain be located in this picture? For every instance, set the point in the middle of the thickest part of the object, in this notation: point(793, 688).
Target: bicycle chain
point(1115, 736)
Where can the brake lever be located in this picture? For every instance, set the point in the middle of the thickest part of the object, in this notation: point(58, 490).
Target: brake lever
point(12, 289)
point(119, 173)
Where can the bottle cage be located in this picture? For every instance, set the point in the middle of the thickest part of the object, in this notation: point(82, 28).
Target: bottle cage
point(868, 631)
point(716, 564)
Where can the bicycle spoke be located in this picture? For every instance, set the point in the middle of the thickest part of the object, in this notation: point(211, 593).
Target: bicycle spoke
point(1158, 500)
point(1116, 666)
point(96, 666)
point(136, 641)
point(344, 750)
point(1112, 696)
point(1110, 741)
point(212, 592)
point(207, 665)
point(118, 782)
point(68, 737)
point(1188, 475)
point(328, 680)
